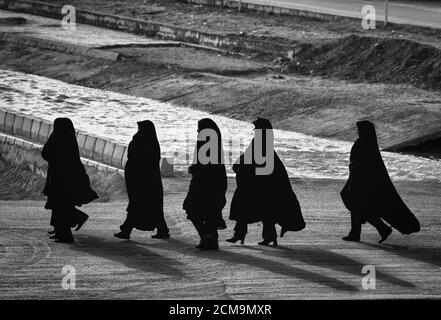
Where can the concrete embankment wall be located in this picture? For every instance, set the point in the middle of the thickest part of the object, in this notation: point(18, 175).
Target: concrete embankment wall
point(22, 137)
point(58, 46)
point(24, 156)
point(150, 29)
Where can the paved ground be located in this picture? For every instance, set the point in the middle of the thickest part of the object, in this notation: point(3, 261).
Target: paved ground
point(420, 13)
point(313, 263)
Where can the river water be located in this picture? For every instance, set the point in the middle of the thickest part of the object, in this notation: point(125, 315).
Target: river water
point(113, 115)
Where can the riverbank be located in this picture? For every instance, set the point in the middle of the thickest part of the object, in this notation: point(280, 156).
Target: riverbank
point(238, 87)
point(254, 24)
point(312, 264)
point(365, 56)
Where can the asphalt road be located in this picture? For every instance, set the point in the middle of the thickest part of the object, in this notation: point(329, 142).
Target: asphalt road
point(313, 263)
point(421, 13)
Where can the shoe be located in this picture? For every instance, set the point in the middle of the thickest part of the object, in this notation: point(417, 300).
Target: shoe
point(55, 236)
point(80, 224)
point(209, 246)
point(122, 235)
point(65, 240)
point(385, 236)
point(351, 238)
point(51, 232)
point(267, 242)
point(161, 236)
point(200, 245)
point(208, 243)
point(234, 239)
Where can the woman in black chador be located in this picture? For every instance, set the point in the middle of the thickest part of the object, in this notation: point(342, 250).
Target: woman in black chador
point(206, 195)
point(266, 197)
point(144, 185)
point(67, 183)
point(369, 193)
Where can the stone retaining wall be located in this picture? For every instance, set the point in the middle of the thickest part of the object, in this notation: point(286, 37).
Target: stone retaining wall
point(27, 155)
point(58, 46)
point(151, 29)
point(31, 133)
point(107, 181)
point(22, 153)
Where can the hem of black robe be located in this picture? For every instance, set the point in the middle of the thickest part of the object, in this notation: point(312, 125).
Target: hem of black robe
point(291, 229)
point(221, 225)
point(245, 221)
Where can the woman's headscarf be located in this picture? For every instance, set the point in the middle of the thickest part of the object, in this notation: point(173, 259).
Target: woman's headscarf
point(367, 134)
point(207, 123)
point(267, 137)
point(63, 139)
point(368, 142)
point(369, 152)
point(64, 126)
point(147, 133)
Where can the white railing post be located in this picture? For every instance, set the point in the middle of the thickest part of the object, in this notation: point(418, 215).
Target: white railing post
point(386, 13)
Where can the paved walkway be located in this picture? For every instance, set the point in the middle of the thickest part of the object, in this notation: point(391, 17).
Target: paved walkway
point(421, 13)
point(313, 263)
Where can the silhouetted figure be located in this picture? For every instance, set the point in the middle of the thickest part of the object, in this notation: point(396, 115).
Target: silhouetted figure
point(369, 193)
point(263, 197)
point(67, 183)
point(206, 195)
point(144, 185)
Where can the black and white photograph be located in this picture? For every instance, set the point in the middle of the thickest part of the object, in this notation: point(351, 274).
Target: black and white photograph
point(221, 155)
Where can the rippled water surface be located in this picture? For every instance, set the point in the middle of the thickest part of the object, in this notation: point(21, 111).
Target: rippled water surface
point(114, 116)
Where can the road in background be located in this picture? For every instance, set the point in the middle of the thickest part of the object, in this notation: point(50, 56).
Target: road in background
point(421, 13)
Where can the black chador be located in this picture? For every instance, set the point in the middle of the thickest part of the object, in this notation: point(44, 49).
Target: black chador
point(265, 196)
point(206, 195)
point(144, 185)
point(369, 193)
point(67, 183)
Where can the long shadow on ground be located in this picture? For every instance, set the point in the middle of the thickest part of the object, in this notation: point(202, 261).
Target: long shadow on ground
point(130, 254)
point(330, 260)
point(255, 262)
point(427, 255)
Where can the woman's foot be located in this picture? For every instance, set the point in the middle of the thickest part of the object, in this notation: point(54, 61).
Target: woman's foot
point(81, 222)
point(200, 245)
point(210, 246)
point(161, 236)
point(51, 232)
point(351, 238)
point(65, 240)
point(267, 242)
point(385, 235)
point(122, 235)
point(235, 238)
point(55, 236)
point(208, 243)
